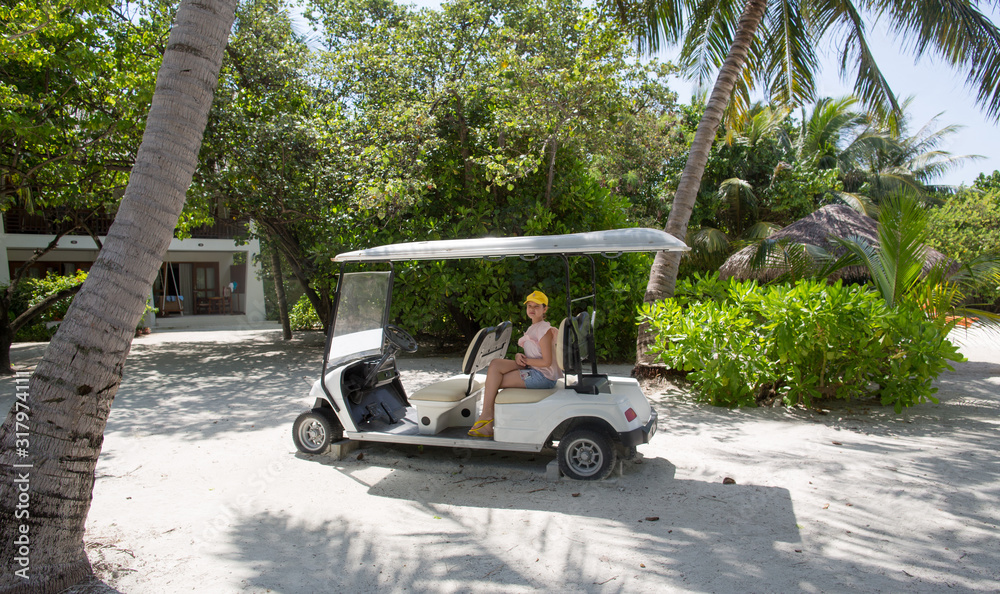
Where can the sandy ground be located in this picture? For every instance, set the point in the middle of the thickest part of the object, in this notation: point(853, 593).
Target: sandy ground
point(199, 488)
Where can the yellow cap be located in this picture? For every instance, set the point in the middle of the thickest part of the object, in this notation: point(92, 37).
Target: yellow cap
point(538, 297)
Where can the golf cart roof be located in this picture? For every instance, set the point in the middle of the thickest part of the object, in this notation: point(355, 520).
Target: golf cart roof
point(608, 243)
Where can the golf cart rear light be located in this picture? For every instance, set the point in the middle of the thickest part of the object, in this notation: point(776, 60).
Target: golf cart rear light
point(630, 415)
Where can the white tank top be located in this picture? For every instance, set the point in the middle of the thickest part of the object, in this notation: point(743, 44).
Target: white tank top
point(533, 350)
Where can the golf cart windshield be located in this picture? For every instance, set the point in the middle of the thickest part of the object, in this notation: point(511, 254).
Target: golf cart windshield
point(360, 317)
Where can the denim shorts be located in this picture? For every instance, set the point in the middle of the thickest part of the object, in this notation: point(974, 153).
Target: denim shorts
point(534, 379)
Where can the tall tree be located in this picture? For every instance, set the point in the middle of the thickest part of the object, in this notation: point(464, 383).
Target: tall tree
point(264, 144)
point(771, 44)
point(52, 437)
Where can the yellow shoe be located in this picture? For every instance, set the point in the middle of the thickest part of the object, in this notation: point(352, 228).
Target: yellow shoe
point(478, 429)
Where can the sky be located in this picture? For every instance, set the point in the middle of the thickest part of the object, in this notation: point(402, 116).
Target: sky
point(937, 91)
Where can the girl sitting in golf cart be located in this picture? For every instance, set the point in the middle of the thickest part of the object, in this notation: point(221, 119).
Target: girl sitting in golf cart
point(535, 368)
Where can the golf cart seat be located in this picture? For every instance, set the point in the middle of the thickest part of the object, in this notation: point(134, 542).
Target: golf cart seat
point(527, 395)
point(452, 402)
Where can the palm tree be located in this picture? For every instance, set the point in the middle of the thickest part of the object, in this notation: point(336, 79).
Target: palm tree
point(58, 428)
point(876, 158)
point(771, 45)
point(824, 134)
point(884, 159)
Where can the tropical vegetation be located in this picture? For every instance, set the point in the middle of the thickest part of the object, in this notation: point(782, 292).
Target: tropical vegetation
point(744, 344)
point(801, 337)
point(772, 46)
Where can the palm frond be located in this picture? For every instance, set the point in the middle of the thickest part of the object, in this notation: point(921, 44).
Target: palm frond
point(656, 22)
point(708, 240)
point(983, 271)
point(761, 230)
point(958, 32)
point(740, 201)
point(870, 85)
point(760, 122)
point(711, 29)
point(790, 71)
point(861, 253)
point(934, 164)
point(822, 132)
point(860, 203)
point(785, 260)
point(902, 234)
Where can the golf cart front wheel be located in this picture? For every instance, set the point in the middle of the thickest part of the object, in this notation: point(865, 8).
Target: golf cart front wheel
point(312, 433)
point(586, 455)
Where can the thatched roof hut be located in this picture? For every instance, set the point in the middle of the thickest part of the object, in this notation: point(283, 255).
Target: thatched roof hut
point(818, 229)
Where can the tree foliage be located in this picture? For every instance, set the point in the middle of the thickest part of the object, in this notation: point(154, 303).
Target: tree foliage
point(77, 78)
point(966, 228)
point(790, 167)
point(502, 118)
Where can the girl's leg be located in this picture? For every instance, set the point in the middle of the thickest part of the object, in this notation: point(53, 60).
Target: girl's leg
point(511, 379)
point(496, 378)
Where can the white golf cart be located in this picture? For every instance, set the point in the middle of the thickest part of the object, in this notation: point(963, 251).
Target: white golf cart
point(360, 394)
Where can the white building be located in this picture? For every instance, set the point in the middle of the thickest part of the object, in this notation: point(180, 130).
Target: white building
point(206, 275)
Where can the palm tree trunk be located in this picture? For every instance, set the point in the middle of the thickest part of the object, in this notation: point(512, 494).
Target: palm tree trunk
point(52, 438)
point(663, 274)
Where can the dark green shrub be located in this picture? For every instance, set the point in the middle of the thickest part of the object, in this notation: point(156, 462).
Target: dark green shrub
point(800, 342)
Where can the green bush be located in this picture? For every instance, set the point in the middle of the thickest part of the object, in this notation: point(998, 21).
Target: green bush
point(967, 225)
point(303, 316)
point(744, 343)
point(31, 291)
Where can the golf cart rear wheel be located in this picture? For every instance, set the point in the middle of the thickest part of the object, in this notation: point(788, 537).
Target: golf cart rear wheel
point(586, 455)
point(312, 432)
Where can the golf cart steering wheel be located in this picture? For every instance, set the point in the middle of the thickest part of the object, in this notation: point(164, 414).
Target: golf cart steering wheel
point(400, 338)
